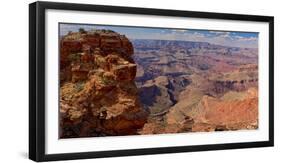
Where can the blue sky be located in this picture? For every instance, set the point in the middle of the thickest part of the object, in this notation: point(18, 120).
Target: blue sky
point(237, 39)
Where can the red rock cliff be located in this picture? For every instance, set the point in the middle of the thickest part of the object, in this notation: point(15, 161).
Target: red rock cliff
point(98, 95)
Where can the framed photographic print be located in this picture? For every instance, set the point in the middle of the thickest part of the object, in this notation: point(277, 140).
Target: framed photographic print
point(111, 81)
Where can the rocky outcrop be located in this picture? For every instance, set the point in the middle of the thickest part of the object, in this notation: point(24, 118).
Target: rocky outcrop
point(227, 113)
point(105, 41)
point(198, 110)
point(98, 95)
point(241, 79)
point(241, 85)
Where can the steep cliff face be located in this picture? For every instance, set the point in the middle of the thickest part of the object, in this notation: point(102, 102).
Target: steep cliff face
point(98, 95)
point(240, 79)
point(236, 85)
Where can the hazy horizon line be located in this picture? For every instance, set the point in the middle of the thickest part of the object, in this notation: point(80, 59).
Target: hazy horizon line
point(222, 38)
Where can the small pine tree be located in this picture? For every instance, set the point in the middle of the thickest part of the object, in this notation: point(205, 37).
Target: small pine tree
point(82, 30)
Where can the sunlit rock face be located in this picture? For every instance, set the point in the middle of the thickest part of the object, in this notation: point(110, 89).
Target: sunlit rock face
point(98, 95)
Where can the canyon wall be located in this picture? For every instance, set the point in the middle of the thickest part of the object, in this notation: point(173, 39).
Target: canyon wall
point(98, 95)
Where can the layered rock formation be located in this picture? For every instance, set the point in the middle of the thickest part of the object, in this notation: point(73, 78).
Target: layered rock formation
point(161, 93)
point(210, 102)
point(181, 86)
point(98, 95)
point(233, 111)
point(213, 107)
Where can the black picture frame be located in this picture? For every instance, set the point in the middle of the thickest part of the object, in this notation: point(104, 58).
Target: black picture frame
point(37, 82)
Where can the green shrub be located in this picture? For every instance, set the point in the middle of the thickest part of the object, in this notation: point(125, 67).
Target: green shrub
point(74, 57)
point(82, 30)
point(79, 86)
point(106, 81)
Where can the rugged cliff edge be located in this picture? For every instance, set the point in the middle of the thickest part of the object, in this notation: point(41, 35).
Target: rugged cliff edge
point(98, 95)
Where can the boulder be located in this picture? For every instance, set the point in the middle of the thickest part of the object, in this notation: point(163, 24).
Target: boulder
point(125, 72)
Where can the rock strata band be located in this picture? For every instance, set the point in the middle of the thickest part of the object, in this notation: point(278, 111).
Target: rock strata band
point(113, 86)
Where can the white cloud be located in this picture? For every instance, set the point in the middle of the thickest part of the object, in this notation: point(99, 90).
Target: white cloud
point(219, 32)
point(179, 30)
point(246, 38)
point(223, 39)
point(213, 37)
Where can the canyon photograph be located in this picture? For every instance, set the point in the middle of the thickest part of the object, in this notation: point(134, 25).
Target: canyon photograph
point(127, 80)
